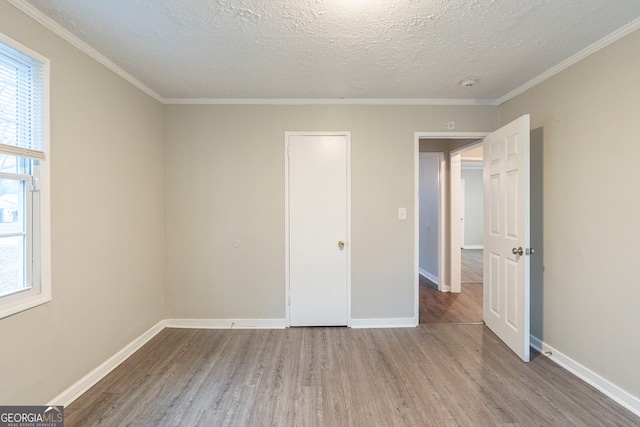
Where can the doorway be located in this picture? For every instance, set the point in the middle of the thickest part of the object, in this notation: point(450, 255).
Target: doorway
point(472, 220)
point(437, 301)
point(507, 231)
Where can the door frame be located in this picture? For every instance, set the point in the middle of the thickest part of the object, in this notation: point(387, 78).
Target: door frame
point(443, 227)
point(287, 283)
point(455, 214)
point(463, 204)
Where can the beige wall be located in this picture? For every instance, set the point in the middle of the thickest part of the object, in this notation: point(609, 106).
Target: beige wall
point(590, 118)
point(473, 207)
point(430, 211)
point(224, 181)
point(106, 209)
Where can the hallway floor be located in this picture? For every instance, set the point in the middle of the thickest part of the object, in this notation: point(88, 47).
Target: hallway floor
point(462, 308)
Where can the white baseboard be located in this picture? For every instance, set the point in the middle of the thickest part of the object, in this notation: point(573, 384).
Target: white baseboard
point(226, 323)
point(76, 390)
point(625, 399)
point(429, 276)
point(472, 247)
point(443, 287)
point(409, 322)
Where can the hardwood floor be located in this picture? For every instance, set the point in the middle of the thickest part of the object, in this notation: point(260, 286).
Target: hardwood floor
point(445, 307)
point(471, 261)
point(432, 375)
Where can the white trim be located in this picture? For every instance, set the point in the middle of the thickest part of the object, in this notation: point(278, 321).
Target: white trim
point(472, 164)
point(351, 101)
point(65, 398)
point(43, 223)
point(225, 323)
point(463, 206)
point(619, 395)
point(56, 28)
point(50, 24)
point(426, 274)
point(444, 283)
point(455, 226)
point(76, 390)
point(416, 229)
point(19, 304)
point(443, 288)
point(347, 135)
point(589, 50)
point(287, 295)
point(383, 323)
point(453, 135)
point(472, 247)
point(456, 192)
point(27, 51)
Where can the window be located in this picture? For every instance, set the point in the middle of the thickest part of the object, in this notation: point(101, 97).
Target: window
point(24, 190)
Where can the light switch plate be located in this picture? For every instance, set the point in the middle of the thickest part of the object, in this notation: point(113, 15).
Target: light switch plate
point(402, 214)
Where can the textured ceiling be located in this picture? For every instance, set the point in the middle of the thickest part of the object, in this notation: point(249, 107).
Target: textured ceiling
point(332, 49)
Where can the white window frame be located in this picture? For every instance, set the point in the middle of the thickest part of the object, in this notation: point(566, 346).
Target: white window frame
point(40, 253)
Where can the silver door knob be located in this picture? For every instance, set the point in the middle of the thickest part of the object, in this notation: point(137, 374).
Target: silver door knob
point(517, 251)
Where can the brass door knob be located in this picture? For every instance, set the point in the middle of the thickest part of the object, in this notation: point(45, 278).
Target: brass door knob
point(341, 244)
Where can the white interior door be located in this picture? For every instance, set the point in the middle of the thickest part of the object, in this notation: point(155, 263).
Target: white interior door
point(506, 234)
point(318, 246)
point(455, 212)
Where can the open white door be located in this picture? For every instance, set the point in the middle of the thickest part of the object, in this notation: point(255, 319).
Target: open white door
point(506, 234)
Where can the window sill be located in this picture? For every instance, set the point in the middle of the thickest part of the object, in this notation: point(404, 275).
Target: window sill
point(14, 307)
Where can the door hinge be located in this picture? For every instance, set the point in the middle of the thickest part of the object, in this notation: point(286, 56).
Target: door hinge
point(288, 151)
point(289, 299)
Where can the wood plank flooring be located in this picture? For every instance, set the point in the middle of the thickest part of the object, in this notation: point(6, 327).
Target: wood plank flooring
point(445, 307)
point(471, 261)
point(432, 375)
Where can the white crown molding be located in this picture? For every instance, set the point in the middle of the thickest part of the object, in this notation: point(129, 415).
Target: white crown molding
point(589, 50)
point(50, 24)
point(351, 101)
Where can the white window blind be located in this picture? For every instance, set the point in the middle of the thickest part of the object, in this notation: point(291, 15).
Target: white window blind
point(21, 104)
